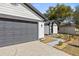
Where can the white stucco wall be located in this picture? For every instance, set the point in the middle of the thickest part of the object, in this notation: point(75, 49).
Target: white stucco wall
point(40, 30)
point(18, 10)
point(55, 28)
point(46, 29)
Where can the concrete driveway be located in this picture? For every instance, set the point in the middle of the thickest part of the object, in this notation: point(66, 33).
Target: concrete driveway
point(34, 48)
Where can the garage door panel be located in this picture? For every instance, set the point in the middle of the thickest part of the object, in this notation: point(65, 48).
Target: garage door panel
point(17, 32)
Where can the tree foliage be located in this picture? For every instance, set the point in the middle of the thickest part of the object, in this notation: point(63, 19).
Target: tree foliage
point(60, 11)
point(76, 15)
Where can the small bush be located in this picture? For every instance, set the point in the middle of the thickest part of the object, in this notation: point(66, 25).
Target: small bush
point(60, 43)
point(58, 37)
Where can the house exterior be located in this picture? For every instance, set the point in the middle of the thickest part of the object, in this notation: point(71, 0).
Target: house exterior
point(68, 26)
point(69, 29)
point(19, 23)
point(46, 29)
point(51, 27)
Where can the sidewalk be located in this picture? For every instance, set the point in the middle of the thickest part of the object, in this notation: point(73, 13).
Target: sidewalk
point(34, 48)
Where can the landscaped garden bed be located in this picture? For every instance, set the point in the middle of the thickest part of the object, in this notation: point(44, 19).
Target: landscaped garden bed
point(48, 38)
point(70, 44)
point(71, 50)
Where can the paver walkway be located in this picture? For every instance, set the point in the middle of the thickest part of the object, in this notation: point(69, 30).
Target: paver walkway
point(34, 48)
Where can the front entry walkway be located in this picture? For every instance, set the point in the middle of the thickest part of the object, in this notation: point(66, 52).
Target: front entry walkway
point(34, 48)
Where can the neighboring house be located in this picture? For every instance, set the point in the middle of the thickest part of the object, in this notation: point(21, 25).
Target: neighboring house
point(20, 22)
point(69, 29)
point(68, 26)
point(51, 27)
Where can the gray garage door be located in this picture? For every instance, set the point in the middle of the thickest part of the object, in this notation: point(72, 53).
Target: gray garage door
point(17, 32)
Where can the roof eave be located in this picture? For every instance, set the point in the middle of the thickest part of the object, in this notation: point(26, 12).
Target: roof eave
point(35, 10)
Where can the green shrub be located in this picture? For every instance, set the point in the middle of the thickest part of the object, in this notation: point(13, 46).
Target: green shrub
point(58, 36)
point(60, 43)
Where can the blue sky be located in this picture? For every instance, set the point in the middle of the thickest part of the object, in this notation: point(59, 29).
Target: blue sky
point(42, 7)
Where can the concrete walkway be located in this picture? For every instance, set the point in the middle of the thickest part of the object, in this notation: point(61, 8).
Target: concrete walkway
point(34, 48)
